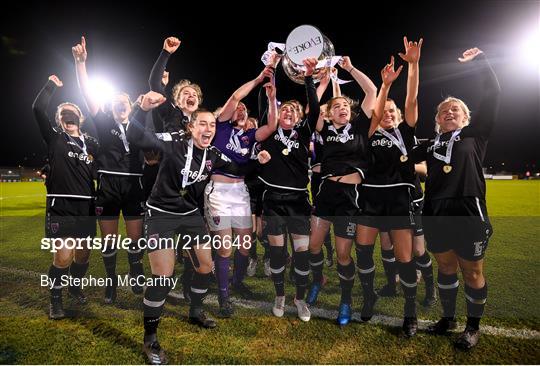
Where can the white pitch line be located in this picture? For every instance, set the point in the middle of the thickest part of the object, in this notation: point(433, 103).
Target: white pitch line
point(386, 320)
point(26, 195)
point(376, 320)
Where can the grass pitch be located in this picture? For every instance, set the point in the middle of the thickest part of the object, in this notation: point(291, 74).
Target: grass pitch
point(101, 334)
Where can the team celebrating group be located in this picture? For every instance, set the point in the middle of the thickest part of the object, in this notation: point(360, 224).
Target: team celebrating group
point(173, 168)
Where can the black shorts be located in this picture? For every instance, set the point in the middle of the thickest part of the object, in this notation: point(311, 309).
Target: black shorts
point(387, 208)
point(286, 210)
point(315, 184)
point(338, 203)
point(120, 193)
point(161, 230)
point(458, 224)
point(70, 218)
point(418, 207)
point(255, 189)
point(149, 177)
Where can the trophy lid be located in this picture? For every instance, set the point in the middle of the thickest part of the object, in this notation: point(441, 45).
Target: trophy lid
point(303, 42)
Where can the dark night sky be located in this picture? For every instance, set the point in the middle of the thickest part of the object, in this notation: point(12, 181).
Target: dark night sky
point(221, 49)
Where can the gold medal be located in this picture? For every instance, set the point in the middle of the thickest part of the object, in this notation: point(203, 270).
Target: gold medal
point(403, 158)
point(285, 152)
point(90, 157)
point(447, 168)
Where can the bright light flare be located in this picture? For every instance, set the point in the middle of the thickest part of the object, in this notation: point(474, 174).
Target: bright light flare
point(529, 49)
point(101, 90)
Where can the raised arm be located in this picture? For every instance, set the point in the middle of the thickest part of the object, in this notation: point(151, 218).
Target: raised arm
point(137, 134)
point(242, 92)
point(487, 112)
point(312, 98)
point(368, 104)
point(323, 85)
point(40, 105)
point(265, 131)
point(158, 76)
point(388, 75)
point(412, 56)
point(80, 55)
point(336, 89)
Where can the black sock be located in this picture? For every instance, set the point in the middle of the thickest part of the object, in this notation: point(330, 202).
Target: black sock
point(316, 264)
point(346, 281)
point(476, 302)
point(199, 288)
point(277, 268)
point(407, 277)
point(448, 289)
point(366, 267)
point(55, 274)
point(253, 248)
point(135, 255)
point(264, 243)
point(328, 244)
point(301, 272)
point(78, 270)
point(109, 260)
point(187, 275)
point(423, 263)
point(154, 299)
point(389, 265)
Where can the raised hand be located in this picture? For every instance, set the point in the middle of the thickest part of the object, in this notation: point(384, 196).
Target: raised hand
point(310, 64)
point(470, 54)
point(268, 72)
point(412, 50)
point(388, 74)
point(139, 99)
point(171, 44)
point(165, 78)
point(79, 51)
point(152, 100)
point(270, 90)
point(264, 157)
point(346, 64)
point(274, 59)
point(56, 80)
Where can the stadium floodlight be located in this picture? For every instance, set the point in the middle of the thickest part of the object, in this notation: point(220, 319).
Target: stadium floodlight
point(101, 90)
point(530, 48)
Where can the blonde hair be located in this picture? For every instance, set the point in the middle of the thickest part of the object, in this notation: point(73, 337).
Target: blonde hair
point(331, 101)
point(398, 111)
point(463, 106)
point(298, 106)
point(59, 111)
point(178, 87)
point(252, 120)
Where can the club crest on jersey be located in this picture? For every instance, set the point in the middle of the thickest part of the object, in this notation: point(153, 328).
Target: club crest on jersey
point(294, 135)
point(54, 227)
point(99, 211)
point(208, 164)
point(245, 139)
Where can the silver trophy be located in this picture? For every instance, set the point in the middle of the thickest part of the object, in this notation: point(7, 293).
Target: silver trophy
point(303, 42)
